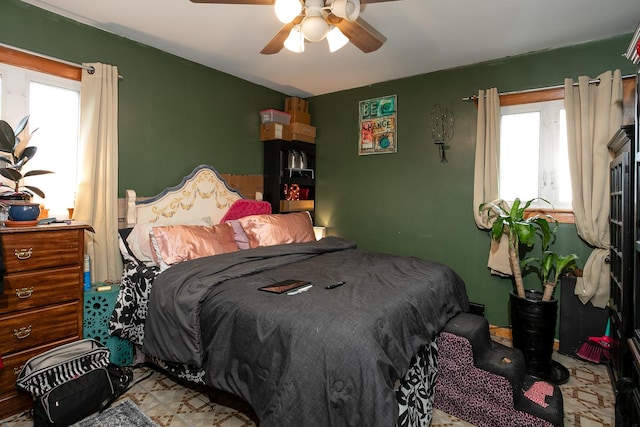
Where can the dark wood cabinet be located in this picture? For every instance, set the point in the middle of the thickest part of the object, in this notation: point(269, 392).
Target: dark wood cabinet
point(621, 224)
point(281, 173)
point(41, 302)
point(632, 398)
point(626, 361)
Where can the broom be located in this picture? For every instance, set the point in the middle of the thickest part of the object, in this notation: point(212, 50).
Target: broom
point(596, 349)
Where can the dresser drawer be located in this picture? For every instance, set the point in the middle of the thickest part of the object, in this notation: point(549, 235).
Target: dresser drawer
point(37, 250)
point(35, 289)
point(14, 403)
point(39, 326)
point(15, 362)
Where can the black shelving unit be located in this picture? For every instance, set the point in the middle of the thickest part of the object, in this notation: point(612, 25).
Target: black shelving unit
point(631, 397)
point(621, 226)
point(277, 175)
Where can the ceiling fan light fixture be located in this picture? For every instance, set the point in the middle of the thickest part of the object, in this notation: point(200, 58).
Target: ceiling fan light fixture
point(336, 39)
point(346, 9)
point(287, 10)
point(314, 28)
point(295, 40)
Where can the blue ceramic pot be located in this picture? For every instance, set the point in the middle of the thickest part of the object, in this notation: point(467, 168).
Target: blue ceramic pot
point(24, 211)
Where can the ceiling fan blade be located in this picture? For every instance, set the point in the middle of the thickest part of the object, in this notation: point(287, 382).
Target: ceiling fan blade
point(276, 44)
point(361, 34)
point(267, 2)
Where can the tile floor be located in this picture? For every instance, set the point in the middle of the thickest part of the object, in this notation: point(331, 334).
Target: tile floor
point(588, 402)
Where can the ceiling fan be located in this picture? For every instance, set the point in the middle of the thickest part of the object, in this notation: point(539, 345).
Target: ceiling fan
point(314, 20)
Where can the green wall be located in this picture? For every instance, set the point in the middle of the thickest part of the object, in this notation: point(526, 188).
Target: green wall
point(408, 202)
point(174, 114)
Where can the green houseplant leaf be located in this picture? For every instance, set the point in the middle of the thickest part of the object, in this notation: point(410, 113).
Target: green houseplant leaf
point(523, 229)
point(7, 137)
point(22, 124)
point(21, 153)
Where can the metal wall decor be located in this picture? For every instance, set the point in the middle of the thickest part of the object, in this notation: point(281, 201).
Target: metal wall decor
point(442, 126)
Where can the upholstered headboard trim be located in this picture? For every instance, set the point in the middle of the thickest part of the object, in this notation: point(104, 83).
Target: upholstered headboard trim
point(201, 193)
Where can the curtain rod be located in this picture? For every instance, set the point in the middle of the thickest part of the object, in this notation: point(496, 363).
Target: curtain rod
point(89, 68)
point(592, 81)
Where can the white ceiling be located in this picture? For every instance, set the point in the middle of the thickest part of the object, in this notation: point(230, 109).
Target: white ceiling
point(423, 35)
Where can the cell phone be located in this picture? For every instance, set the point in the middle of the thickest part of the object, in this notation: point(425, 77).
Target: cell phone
point(284, 286)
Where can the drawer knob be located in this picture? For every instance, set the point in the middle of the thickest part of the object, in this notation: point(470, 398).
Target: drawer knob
point(22, 333)
point(16, 371)
point(23, 253)
point(24, 293)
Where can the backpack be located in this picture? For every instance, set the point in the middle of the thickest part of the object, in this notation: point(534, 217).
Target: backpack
point(72, 381)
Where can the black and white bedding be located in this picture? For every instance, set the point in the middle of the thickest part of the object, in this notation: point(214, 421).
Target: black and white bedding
point(321, 357)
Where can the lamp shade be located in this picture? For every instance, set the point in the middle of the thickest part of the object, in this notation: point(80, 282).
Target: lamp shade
point(320, 232)
point(286, 10)
point(295, 40)
point(314, 28)
point(346, 9)
point(336, 39)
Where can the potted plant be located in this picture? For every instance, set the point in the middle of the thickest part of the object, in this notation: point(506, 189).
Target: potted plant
point(15, 152)
point(533, 313)
point(550, 268)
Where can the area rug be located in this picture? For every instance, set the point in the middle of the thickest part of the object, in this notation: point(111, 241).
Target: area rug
point(126, 413)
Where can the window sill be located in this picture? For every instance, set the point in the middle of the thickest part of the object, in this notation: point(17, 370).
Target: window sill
point(564, 216)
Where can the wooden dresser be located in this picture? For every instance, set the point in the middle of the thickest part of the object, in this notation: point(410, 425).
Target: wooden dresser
point(41, 283)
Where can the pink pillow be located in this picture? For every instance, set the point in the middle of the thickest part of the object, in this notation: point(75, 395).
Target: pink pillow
point(245, 207)
point(139, 240)
point(177, 243)
point(277, 229)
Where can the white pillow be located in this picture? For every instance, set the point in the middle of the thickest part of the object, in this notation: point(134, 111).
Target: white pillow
point(139, 239)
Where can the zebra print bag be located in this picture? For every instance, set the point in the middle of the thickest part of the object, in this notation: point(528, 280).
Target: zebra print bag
point(61, 364)
point(72, 381)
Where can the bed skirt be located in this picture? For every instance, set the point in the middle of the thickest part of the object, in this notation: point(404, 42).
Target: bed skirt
point(415, 392)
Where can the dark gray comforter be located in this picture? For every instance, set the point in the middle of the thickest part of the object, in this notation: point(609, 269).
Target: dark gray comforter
point(319, 358)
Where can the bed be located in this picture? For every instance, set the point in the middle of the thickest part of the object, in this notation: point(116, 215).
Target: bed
point(362, 353)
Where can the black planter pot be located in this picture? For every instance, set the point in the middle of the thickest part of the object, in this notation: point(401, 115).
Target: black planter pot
point(533, 324)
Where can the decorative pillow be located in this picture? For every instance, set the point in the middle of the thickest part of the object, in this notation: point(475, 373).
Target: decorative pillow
point(277, 229)
point(177, 243)
point(241, 238)
point(125, 250)
point(245, 207)
point(139, 239)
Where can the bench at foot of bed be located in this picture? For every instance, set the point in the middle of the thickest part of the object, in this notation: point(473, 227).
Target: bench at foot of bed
point(485, 383)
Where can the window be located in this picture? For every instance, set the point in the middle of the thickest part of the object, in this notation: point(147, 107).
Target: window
point(534, 160)
point(53, 104)
point(520, 101)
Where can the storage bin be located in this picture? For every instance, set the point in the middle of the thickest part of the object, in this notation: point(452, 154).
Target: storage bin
point(271, 115)
point(98, 307)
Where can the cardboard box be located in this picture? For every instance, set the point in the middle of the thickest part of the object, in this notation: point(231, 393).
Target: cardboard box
point(296, 205)
point(303, 138)
point(300, 117)
point(269, 131)
point(296, 104)
point(303, 129)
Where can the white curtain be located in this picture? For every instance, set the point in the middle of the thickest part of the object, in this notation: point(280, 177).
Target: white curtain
point(97, 194)
point(485, 177)
point(594, 113)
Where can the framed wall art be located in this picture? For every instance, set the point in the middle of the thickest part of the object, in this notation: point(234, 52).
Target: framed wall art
point(378, 121)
